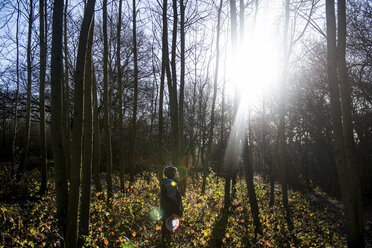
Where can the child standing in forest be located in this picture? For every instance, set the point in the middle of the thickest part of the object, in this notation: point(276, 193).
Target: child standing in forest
point(170, 199)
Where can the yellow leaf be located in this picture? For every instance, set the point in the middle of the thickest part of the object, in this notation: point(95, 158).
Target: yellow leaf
point(134, 234)
point(158, 228)
point(268, 243)
point(106, 242)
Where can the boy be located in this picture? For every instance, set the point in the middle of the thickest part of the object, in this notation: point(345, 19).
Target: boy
point(170, 198)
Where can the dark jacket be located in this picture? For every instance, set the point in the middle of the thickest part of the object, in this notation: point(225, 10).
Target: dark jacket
point(170, 198)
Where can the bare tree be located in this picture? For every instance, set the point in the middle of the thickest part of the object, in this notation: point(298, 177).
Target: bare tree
point(26, 143)
point(88, 142)
point(120, 89)
point(57, 115)
point(106, 105)
point(135, 96)
point(43, 151)
point(96, 138)
point(15, 124)
point(353, 212)
point(66, 96)
point(77, 129)
point(281, 129)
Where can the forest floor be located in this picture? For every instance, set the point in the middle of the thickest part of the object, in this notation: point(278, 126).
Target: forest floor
point(133, 220)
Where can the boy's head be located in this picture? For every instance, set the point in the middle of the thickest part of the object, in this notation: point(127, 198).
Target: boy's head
point(170, 172)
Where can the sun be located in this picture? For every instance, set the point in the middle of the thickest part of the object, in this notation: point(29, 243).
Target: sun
point(255, 68)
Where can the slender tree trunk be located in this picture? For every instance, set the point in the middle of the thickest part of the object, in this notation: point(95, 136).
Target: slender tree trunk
point(281, 130)
point(215, 84)
point(230, 158)
point(167, 71)
point(183, 172)
point(77, 129)
point(351, 199)
point(272, 183)
point(172, 88)
point(57, 116)
point(96, 138)
point(15, 124)
point(161, 120)
point(26, 143)
point(43, 151)
point(106, 104)
point(121, 133)
point(250, 186)
point(346, 104)
point(88, 142)
point(66, 103)
point(135, 97)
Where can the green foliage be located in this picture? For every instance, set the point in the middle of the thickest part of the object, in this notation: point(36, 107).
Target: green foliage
point(132, 220)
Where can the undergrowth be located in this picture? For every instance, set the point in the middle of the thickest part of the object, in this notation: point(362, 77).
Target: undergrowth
point(133, 219)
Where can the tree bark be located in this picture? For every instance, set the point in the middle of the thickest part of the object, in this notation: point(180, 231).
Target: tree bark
point(15, 124)
point(172, 88)
point(106, 104)
point(135, 96)
point(77, 129)
point(215, 84)
point(164, 60)
point(346, 174)
point(120, 89)
point(88, 142)
point(66, 97)
point(26, 143)
point(96, 139)
point(183, 172)
point(281, 129)
point(250, 186)
point(57, 116)
point(229, 162)
point(346, 104)
point(43, 151)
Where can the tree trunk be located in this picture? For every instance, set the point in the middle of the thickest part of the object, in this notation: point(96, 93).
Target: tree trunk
point(134, 117)
point(43, 151)
point(348, 184)
point(281, 129)
point(88, 142)
point(229, 162)
point(172, 88)
point(121, 133)
point(250, 186)
point(66, 97)
point(183, 172)
point(77, 129)
point(96, 138)
point(57, 116)
point(106, 104)
point(346, 104)
point(164, 72)
point(215, 84)
point(164, 60)
point(26, 143)
point(16, 96)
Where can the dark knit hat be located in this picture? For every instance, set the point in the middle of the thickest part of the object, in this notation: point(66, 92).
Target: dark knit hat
point(170, 172)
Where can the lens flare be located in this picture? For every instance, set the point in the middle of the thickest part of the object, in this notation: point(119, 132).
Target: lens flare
point(172, 223)
point(155, 214)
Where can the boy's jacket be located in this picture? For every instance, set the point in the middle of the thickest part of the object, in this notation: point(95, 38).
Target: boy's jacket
point(170, 198)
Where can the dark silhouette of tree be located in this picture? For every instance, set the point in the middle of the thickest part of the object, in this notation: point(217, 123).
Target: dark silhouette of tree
point(57, 115)
point(43, 148)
